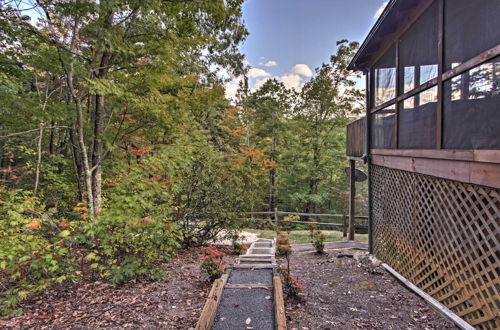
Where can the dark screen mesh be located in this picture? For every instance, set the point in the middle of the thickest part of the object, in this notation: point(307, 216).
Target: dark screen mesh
point(471, 118)
point(418, 51)
point(384, 73)
point(382, 130)
point(417, 121)
point(471, 27)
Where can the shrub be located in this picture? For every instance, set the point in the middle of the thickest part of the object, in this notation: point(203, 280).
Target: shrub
point(292, 285)
point(33, 250)
point(126, 248)
point(283, 246)
point(318, 239)
point(238, 248)
point(211, 263)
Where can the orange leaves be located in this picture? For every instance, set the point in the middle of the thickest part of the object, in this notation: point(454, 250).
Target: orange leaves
point(238, 132)
point(139, 151)
point(80, 208)
point(252, 153)
point(237, 162)
point(34, 225)
point(269, 163)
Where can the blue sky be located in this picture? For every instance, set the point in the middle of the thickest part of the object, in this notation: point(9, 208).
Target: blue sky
point(291, 32)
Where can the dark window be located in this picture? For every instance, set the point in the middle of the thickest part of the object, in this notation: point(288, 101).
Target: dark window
point(382, 131)
point(471, 27)
point(471, 115)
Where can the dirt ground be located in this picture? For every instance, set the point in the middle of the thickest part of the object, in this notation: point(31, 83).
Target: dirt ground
point(343, 293)
point(174, 303)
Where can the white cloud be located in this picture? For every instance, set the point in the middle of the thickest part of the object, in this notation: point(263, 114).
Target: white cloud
point(270, 63)
point(380, 10)
point(303, 70)
point(255, 73)
point(262, 58)
point(231, 88)
point(292, 80)
point(259, 82)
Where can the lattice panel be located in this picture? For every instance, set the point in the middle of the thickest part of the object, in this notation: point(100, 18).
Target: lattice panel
point(442, 235)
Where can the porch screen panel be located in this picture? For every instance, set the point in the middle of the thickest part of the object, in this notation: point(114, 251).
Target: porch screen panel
point(471, 27)
point(417, 121)
point(384, 73)
point(418, 51)
point(472, 108)
point(382, 130)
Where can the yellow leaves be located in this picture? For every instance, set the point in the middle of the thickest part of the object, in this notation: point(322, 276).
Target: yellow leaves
point(23, 294)
point(65, 233)
point(94, 265)
point(90, 256)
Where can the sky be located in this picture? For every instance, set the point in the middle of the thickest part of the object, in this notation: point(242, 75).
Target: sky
point(290, 38)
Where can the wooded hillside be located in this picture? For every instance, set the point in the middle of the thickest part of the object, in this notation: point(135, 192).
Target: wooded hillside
point(118, 145)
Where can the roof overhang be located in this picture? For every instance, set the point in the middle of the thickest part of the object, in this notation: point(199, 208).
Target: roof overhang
point(396, 17)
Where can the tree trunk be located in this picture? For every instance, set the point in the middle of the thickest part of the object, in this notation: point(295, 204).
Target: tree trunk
point(97, 143)
point(38, 160)
point(77, 163)
point(272, 174)
point(86, 170)
point(97, 150)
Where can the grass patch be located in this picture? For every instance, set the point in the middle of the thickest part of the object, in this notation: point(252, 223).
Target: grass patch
point(302, 236)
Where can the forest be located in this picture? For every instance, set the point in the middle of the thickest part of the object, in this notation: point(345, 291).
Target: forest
point(118, 146)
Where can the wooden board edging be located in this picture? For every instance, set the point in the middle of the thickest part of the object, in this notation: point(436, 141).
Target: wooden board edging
point(279, 304)
point(207, 316)
point(479, 173)
point(445, 311)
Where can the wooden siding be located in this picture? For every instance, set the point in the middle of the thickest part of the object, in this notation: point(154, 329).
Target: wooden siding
point(356, 138)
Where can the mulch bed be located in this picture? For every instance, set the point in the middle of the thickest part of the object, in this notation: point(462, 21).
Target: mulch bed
point(174, 303)
point(342, 293)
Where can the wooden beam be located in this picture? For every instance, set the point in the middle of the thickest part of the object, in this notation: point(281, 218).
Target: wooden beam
point(210, 309)
point(279, 304)
point(481, 156)
point(473, 62)
point(439, 109)
point(485, 174)
point(352, 196)
point(248, 286)
point(254, 266)
point(445, 311)
point(397, 104)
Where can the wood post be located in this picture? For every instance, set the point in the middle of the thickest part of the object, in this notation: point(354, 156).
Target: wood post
point(344, 225)
point(279, 304)
point(276, 220)
point(207, 316)
point(352, 195)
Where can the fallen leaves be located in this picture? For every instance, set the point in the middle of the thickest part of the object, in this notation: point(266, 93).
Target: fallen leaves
point(175, 303)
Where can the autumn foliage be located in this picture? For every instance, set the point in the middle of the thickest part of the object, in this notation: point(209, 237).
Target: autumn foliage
point(211, 262)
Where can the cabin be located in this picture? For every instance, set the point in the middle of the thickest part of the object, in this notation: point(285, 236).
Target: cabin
point(431, 138)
